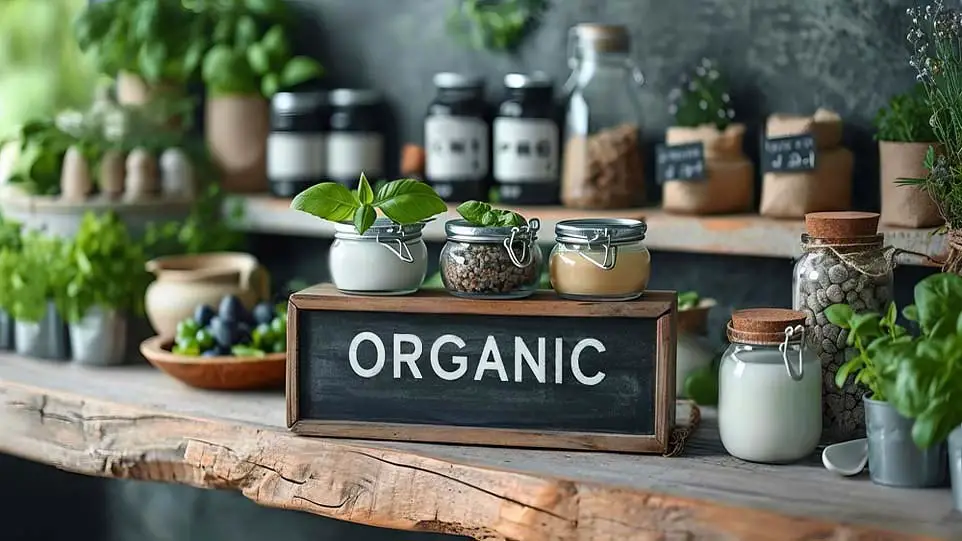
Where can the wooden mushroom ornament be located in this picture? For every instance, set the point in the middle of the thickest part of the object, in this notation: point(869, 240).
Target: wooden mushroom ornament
point(75, 183)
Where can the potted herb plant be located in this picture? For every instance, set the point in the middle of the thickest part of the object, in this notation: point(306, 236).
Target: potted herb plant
point(374, 255)
point(904, 136)
point(250, 60)
point(893, 458)
point(10, 232)
point(703, 112)
point(106, 281)
point(693, 354)
point(30, 280)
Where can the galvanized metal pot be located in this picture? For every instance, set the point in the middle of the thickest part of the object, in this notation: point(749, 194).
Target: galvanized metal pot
point(6, 331)
point(46, 339)
point(955, 465)
point(99, 338)
point(893, 458)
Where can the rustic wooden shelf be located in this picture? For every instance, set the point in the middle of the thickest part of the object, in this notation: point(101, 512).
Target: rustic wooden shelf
point(133, 422)
point(743, 235)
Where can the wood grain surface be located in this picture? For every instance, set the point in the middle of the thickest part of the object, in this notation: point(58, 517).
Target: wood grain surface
point(135, 423)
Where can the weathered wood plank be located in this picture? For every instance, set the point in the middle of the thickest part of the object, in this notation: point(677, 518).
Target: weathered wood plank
point(133, 422)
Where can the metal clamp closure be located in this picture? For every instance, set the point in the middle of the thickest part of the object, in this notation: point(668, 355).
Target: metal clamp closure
point(529, 232)
point(790, 333)
point(611, 252)
point(401, 250)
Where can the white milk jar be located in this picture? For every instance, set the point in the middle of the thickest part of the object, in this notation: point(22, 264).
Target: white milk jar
point(388, 259)
point(770, 388)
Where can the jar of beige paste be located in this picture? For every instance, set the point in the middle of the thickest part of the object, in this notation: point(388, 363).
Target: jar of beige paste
point(602, 259)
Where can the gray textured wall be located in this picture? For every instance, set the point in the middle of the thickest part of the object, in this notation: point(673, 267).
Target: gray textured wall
point(782, 55)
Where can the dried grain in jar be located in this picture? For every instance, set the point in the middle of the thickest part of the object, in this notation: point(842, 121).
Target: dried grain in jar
point(491, 262)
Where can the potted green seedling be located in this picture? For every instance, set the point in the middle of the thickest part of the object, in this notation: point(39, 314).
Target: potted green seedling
point(10, 232)
point(893, 458)
point(695, 375)
point(106, 282)
point(30, 280)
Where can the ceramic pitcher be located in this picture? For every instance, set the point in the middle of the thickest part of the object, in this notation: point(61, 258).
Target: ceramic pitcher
point(187, 281)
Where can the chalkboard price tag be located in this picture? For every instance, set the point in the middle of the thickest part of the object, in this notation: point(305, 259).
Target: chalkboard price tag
point(680, 162)
point(791, 154)
point(435, 368)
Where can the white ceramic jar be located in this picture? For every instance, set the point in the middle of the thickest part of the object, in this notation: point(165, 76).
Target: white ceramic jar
point(600, 259)
point(388, 259)
point(770, 388)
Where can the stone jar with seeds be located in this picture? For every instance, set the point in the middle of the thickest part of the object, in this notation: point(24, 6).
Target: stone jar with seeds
point(491, 262)
point(844, 262)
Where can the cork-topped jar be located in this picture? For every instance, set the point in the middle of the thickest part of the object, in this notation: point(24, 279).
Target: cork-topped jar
point(769, 388)
point(844, 261)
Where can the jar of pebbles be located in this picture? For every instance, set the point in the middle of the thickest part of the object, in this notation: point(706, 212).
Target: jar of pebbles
point(491, 262)
point(769, 387)
point(600, 259)
point(387, 259)
point(844, 262)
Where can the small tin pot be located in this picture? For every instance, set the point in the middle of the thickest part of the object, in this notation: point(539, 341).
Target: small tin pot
point(893, 458)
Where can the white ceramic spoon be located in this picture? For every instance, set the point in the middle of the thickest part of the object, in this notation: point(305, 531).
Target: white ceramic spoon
point(847, 458)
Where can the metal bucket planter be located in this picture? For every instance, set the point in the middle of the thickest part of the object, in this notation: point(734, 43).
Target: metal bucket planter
point(6, 331)
point(46, 339)
point(955, 465)
point(893, 458)
point(99, 338)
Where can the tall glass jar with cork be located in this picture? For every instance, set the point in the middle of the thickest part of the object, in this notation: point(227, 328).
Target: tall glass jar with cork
point(845, 261)
point(603, 165)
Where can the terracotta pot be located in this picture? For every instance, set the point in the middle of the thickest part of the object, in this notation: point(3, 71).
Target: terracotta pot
point(236, 130)
point(905, 206)
point(132, 90)
point(187, 281)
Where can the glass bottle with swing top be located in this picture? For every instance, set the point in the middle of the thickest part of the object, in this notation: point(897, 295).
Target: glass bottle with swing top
point(491, 262)
point(600, 259)
point(387, 259)
point(769, 388)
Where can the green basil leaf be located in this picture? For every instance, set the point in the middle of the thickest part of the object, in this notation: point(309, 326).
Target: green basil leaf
point(218, 63)
point(407, 201)
point(245, 32)
point(939, 301)
point(856, 363)
point(328, 201)
point(511, 219)
point(911, 313)
point(258, 58)
point(364, 192)
point(270, 85)
point(473, 211)
point(364, 218)
point(272, 8)
point(224, 29)
point(866, 325)
point(150, 61)
point(275, 44)
point(299, 69)
point(840, 315)
point(489, 219)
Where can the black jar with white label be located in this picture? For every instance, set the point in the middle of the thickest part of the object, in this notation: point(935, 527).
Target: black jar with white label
point(296, 145)
point(456, 139)
point(526, 142)
point(355, 137)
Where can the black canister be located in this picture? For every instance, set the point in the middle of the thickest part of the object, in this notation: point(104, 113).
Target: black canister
point(295, 145)
point(526, 142)
point(456, 139)
point(355, 136)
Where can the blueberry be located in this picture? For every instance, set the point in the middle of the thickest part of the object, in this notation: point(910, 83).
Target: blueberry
point(211, 353)
point(263, 312)
point(203, 315)
point(224, 331)
point(232, 309)
point(243, 335)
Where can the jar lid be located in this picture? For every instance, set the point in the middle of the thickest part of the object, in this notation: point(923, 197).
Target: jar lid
point(347, 97)
point(522, 80)
point(842, 225)
point(603, 37)
point(449, 79)
point(384, 229)
point(763, 325)
point(461, 230)
point(613, 231)
point(294, 103)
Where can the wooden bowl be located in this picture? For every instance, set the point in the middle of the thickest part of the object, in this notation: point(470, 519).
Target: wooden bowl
point(219, 373)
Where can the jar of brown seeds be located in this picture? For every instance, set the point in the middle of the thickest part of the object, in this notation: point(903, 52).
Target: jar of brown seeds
point(491, 262)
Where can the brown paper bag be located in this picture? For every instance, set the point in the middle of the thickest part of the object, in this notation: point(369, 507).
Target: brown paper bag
point(905, 206)
point(728, 186)
point(826, 188)
point(825, 127)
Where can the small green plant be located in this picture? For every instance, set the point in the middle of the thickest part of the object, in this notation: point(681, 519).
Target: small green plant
point(906, 118)
point(104, 267)
point(10, 234)
point(871, 334)
point(498, 25)
point(204, 230)
point(404, 201)
point(702, 98)
point(688, 300)
point(32, 276)
point(42, 148)
point(483, 215)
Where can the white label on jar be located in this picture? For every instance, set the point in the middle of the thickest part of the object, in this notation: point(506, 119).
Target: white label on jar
point(295, 156)
point(525, 150)
point(456, 148)
point(351, 153)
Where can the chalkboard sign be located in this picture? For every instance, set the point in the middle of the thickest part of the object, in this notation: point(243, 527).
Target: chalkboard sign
point(536, 372)
point(794, 153)
point(680, 162)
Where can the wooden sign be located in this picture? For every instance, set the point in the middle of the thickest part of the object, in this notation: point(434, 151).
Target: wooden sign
point(790, 154)
point(680, 162)
point(535, 372)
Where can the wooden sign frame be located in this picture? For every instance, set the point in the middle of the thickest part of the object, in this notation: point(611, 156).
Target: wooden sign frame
point(661, 306)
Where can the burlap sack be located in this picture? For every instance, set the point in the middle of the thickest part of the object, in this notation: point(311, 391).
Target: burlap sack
point(905, 206)
point(825, 126)
point(826, 188)
point(729, 183)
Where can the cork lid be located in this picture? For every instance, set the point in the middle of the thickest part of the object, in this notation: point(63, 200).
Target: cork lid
point(603, 37)
point(763, 325)
point(842, 225)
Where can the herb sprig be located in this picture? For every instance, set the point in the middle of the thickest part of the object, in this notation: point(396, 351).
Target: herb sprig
point(484, 215)
point(403, 201)
point(906, 118)
point(871, 334)
point(498, 25)
point(702, 98)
